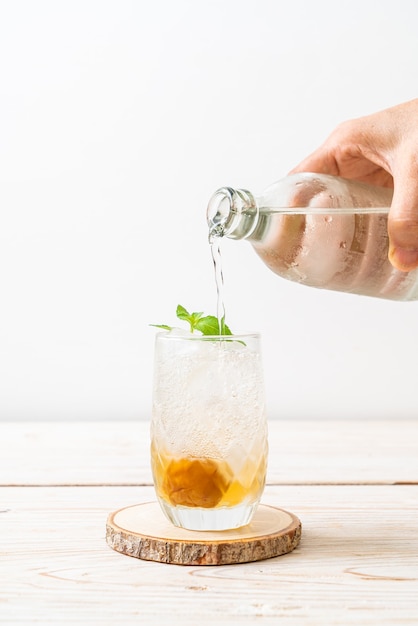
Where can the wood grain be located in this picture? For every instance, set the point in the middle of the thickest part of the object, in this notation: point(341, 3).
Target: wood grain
point(357, 563)
point(301, 452)
point(142, 531)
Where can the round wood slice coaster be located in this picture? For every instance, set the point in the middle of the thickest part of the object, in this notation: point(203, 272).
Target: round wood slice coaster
point(142, 531)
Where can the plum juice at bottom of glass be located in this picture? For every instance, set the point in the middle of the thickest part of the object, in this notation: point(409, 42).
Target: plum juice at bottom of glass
point(209, 432)
point(206, 482)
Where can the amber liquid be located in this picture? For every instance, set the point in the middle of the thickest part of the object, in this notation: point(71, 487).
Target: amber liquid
point(206, 482)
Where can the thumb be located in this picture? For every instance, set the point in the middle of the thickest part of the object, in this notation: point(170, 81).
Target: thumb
point(403, 219)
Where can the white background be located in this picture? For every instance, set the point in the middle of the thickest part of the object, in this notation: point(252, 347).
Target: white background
point(119, 118)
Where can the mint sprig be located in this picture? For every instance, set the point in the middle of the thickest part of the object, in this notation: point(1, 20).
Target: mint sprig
point(206, 324)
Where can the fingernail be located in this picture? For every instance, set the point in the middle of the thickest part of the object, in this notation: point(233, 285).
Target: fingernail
point(403, 259)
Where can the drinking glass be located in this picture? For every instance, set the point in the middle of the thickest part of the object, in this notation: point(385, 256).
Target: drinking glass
point(208, 429)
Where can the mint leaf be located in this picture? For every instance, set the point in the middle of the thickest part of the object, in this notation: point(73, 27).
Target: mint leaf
point(163, 326)
point(206, 324)
point(181, 313)
point(209, 325)
point(192, 318)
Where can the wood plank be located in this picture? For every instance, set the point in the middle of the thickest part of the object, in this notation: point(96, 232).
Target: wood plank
point(117, 453)
point(357, 563)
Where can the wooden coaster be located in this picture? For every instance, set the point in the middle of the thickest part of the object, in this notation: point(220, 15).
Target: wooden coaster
point(142, 531)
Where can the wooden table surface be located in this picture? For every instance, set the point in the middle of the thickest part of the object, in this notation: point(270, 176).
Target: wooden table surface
point(353, 484)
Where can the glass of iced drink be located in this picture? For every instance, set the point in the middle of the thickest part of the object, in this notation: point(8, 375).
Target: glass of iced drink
point(208, 429)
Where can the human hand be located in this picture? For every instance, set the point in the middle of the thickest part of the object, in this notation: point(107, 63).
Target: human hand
point(380, 149)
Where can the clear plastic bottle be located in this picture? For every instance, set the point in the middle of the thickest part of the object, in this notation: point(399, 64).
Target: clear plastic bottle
point(318, 230)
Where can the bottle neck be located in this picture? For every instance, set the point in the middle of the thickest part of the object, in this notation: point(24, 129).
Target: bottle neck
point(232, 213)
